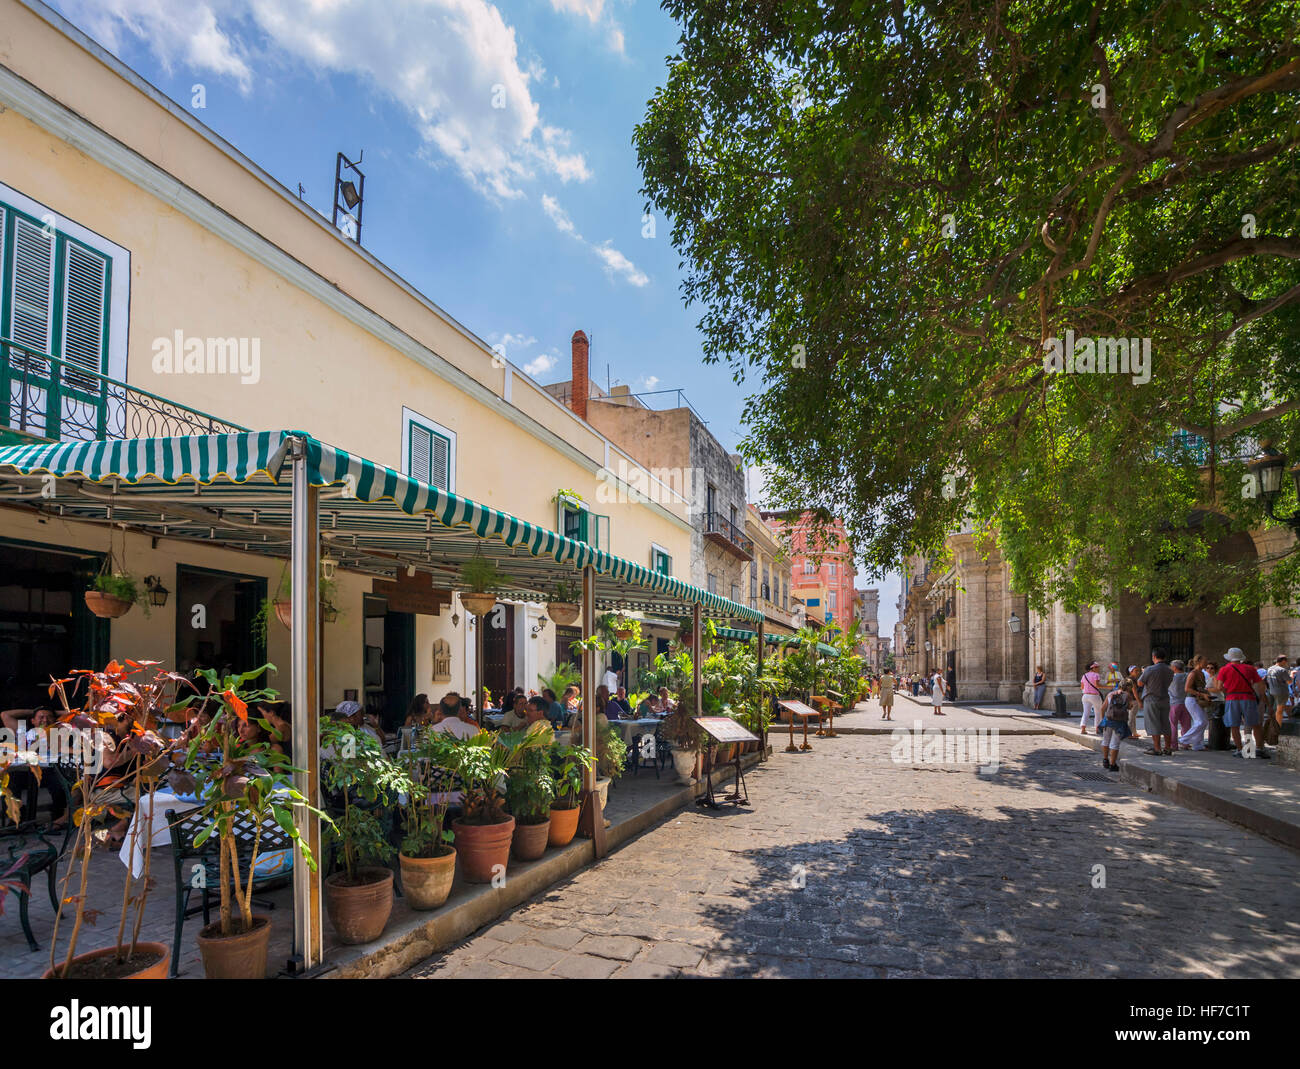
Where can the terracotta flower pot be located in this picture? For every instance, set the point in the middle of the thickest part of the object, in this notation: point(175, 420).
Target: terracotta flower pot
point(359, 911)
point(235, 957)
point(426, 881)
point(562, 612)
point(482, 847)
point(623, 632)
point(106, 607)
point(529, 841)
point(479, 604)
point(82, 962)
point(563, 826)
point(284, 613)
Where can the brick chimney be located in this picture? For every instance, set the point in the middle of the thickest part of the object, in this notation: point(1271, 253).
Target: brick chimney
point(578, 386)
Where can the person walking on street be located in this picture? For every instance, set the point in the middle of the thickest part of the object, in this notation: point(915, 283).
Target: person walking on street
point(1179, 718)
point(887, 695)
point(1091, 686)
point(1196, 698)
point(938, 688)
point(1240, 685)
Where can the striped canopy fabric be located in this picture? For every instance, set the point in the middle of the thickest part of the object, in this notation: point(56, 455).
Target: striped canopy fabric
point(234, 490)
point(740, 634)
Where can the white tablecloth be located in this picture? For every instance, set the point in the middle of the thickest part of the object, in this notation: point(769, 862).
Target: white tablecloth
point(153, 810)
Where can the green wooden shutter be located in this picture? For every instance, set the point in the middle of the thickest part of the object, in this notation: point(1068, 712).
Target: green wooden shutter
point(419, 454)
point(31, 293)
point(598, 528)
point(85, 292)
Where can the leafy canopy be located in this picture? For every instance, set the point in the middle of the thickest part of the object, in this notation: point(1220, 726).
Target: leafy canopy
point(885, 211)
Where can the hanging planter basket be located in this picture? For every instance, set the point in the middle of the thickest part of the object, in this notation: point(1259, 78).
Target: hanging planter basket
point(284, 613)
point(330, 613)
point(477, 602)
point(561, 612)
point(106, 606)
point(623, 633)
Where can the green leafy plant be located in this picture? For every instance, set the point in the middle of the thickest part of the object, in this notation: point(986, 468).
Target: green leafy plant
point(484, 762)
point(424, 816)
point(566, 495)
point(568, 764)
point(612, 751)
point(481, 575)
point(124, 587)
point(530, 790)
point(252, 781)
point(369, 783)
point(567, 592)
point(560, 678)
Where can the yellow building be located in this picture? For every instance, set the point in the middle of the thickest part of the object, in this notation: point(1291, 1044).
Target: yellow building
point(156, 282)
point(767, 577)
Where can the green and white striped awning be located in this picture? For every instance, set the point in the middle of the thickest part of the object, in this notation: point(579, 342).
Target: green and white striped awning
point(740, 634)
point(233, 490)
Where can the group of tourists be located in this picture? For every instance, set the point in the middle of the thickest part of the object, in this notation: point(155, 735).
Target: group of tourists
point(886, 684)
point(1175, 699)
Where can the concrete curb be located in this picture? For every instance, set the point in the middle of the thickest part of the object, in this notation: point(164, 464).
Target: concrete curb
point(1252, 818)
point(408, 941)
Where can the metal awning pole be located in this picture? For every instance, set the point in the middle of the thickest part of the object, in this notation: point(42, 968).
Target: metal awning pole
point(308, 942)
point(762, 699)
point(589, 671)
point(479, 711)
point(697, 639)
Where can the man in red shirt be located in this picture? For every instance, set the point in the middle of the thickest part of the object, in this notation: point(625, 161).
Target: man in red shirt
point(1241, 687)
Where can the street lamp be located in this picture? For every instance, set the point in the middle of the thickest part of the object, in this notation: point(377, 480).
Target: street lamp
point(1266, 475)
point(157, 592)
point(1015, 623)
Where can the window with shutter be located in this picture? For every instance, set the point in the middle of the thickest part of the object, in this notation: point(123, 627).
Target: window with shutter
point(428, 451)
point(31, 297)
point(85, 281)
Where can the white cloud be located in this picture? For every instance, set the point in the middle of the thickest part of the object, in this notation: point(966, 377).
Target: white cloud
point(615, 262)
point(511, 341)
point(594, 12)
point(649, 381)
point(539, 365)
point(446, 62)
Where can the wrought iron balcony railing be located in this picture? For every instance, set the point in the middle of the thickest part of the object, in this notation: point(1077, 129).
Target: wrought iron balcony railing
point(723, 531)
point(48, 398)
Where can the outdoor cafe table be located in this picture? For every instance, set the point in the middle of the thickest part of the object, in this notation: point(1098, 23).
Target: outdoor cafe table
point(640, 726)
point(153, 809)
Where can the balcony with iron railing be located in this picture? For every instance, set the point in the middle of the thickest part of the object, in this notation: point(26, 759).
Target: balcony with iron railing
point(722, 532)
point(48, 399)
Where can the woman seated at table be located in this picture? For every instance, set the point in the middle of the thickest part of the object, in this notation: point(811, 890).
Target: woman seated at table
point(420, 712)
point(666, 703)
point(280, 716)
point(251, 733)
point(650, 706)
point(572, 702)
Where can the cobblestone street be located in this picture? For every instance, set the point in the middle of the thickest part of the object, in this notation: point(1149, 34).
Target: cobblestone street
point(915, 870)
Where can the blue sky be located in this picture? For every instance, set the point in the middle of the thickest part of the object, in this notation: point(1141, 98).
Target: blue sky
point(500, 175)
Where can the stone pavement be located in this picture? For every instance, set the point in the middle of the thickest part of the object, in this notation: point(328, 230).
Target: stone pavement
point(853, 864)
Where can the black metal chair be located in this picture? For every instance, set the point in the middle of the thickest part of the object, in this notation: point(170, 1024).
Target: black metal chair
point(645, 751)
point(29, 853)
point(663, 748)
point(184, 829)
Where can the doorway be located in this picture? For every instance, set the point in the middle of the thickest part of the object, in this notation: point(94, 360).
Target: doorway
point(215, 620)
point(45, 628)
point(498, 649)
point(389, 672)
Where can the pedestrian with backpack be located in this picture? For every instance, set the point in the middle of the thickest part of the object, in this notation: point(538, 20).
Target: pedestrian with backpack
point(1117, 725)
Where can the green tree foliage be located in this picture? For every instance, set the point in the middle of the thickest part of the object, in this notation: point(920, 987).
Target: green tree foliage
point(887, 210)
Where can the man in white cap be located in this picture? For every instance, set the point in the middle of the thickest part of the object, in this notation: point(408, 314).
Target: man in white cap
point(356, 716)
point(1241, 687)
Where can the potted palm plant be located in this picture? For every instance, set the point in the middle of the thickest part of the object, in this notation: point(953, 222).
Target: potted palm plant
point(568, 764)
point(366, 784)
point(530, 790)
point(563, 604)
point(251, 784)
point(484, 832)
point(478, 576)
point(124, 759)
point(427, 858)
